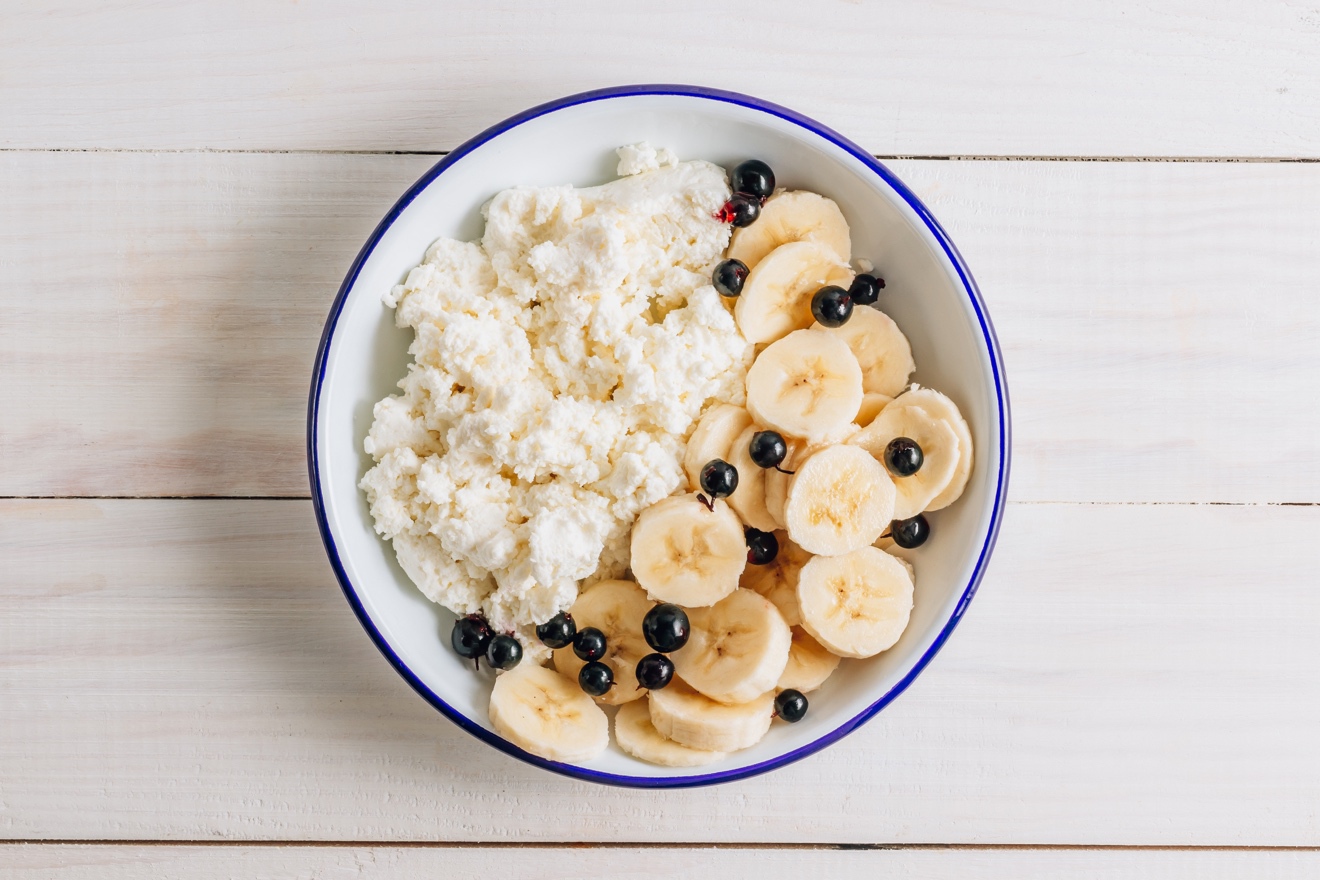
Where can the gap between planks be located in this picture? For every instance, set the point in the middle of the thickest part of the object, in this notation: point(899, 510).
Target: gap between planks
point(904, 157)
point(725, 845)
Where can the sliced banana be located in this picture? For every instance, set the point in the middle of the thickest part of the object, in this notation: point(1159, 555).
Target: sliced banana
point(880, 348)
point(686, 554)
point(941, 407)
point(839, 499)
point(858, 604)
point(872, 404)
point(806, 385)
point(809, 663)
point(638, 737)
point(616, 608)
point(748, 500)
point(715, 433)
point(778, 579)
point(547, 714)
point(776, 481)
point(792, 215)
point(737, 649)
point(939, 449)
point(698, 722)
point(776, 298)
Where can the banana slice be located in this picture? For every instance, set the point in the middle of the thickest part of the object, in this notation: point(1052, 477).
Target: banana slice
point(941, 407)
point(748, 500)
point(881, 350)
point(806, 385)
point(776, 298)
point(872, 404)
point(686, 554)
point(809, 663)
point(856, 605)
point(698, 722)
point(939, 448)
point(616, 608)
point(547, 714)
point(778, 580)
point(792, 215)
point(776, 481)
point(638, 737)
point(714, 435)
point(737, 649)
point(840, 499)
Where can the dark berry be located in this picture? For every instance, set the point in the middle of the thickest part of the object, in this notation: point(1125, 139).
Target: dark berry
point(865, 289)
point(666, 628)
point(790, 705)
point(762, 547)
point(596, 678)
point(729, 276)
point(654, 671)
point(903, 457)
point(755, 178)
point(589, 644)
point(558, 631)
point(909, 533)
point(740, 210)
point(471, 636)
point(504, 652)
point(831, 306)
point(768, 449)
point(719, 478)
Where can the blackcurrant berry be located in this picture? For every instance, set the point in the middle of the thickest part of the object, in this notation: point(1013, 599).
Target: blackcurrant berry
point(719, 478)
point(654, 671)
point(589, 644)
point(903, 457)
point(865, 289)
point(504, 652)
point(755, 178)
point(768, 449)
point(558, 631)
point(831, 306)
point(790, 705)
point(909, 533)
point(471, 636)
point(729, 276)
point(740, 210)
point(666, 628)
point(596, 678)
point(762, 547)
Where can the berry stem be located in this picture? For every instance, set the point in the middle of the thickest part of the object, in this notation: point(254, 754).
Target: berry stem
point(782, 471)
point(710, 505)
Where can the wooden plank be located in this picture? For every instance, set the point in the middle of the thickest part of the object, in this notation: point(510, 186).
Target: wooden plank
point(162, 312)
point(1129, 674)
point(1028, 77)
point(129, 862)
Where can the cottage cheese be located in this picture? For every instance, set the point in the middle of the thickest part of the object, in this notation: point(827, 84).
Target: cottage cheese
point(558, 368)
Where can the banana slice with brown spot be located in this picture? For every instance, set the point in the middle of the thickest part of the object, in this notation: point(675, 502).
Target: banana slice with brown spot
point(807, 385)
point(547, 714)
point(685, 553)
point(858, 604)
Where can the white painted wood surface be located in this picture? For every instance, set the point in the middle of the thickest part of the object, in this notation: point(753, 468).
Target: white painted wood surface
point(1147, 311)
point(184, 185)
point(64, 862)
point(1016, 77)
point(1128, 674)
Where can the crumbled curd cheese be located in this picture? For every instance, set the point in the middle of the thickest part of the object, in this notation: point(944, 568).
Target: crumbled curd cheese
point(558, 368)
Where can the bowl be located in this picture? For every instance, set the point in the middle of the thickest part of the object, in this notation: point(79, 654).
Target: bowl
point(930, 293)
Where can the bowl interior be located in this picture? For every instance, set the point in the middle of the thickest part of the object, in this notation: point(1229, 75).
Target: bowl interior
point(366, 355)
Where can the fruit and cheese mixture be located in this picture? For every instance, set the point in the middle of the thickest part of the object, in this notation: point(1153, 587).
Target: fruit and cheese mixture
point(653, 449)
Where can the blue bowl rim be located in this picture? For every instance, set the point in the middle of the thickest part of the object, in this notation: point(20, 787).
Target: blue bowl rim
point(969, 285)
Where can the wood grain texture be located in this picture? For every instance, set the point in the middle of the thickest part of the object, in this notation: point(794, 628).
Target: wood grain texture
point(162, 311)
point(129, 862)
point(1129, 674)
point(1025, 77)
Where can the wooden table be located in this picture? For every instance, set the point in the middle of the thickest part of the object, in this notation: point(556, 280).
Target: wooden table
point(1136, 690)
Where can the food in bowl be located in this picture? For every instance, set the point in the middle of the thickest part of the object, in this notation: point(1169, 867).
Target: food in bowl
point(655, 435)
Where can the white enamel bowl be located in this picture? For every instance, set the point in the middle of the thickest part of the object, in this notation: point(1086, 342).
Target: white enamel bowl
point(930, 294)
